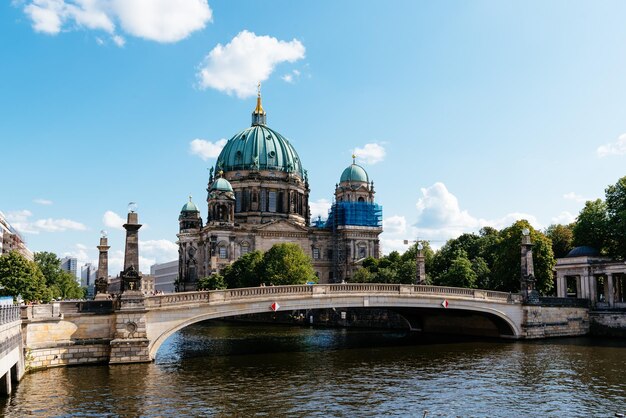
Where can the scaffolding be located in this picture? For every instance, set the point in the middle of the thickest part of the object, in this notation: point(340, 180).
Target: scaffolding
point(355, 214)
point(343, 214)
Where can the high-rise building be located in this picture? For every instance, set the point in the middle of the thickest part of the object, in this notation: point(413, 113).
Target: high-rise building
point(165, 275)
point(88, 278)
point(70, 264)
point(11, 240)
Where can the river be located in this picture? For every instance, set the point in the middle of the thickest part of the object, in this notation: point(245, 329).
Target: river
point(226, 369)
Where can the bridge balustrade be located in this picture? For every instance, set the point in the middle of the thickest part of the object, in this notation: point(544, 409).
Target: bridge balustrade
point(322, 289)
point(9, 313)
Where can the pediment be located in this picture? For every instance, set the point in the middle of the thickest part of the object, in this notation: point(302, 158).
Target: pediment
point(281, 225)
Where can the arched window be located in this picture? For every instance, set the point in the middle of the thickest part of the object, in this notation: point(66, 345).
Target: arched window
point(245, 248)
point(222, 250)
point(361, 199)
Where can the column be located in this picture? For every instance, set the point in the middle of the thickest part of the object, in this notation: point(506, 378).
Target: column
point(610, 292)
point(593, 288)
point(579, 286)
point(560, 292)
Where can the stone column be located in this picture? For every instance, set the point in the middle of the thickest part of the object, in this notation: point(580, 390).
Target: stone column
point(102, 278)
point(610, 292)
point(130, 277)
point(527, 279)
point(593, 288)
point(420, 266)
point(561, 285)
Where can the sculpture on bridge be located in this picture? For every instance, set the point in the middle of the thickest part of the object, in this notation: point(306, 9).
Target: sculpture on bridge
point(527, 280)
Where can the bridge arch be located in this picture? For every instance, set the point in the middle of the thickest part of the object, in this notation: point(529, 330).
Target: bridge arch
point(170, 313)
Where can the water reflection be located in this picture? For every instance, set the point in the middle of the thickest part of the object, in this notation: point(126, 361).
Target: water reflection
point(248, 370)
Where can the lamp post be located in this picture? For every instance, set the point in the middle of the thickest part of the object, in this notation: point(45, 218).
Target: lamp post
point(420, 264)
point(527, 279)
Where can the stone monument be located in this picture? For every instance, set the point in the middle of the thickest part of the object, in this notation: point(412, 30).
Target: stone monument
point(102, 281)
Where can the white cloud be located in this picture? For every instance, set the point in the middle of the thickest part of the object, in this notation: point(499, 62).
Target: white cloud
point(20, 220)
point(573, 196)
point(615, 148)
point(155, 20)
point(564, 218)
point(318, 208)
point(291, 77)
point(112, 220)
point(44, 202)
point(370, 153)
point(237, 67)
point(58, 225)
point(118, 40)
point(395, 225)
point(207, 149)
point(439, 216)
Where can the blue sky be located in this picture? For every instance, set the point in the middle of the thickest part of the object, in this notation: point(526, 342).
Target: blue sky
point(465, 114)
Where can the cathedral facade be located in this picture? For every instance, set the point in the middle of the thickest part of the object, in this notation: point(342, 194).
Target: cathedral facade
point(258, 196)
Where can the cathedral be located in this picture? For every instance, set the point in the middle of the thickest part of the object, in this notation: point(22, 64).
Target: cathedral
point(258, 196)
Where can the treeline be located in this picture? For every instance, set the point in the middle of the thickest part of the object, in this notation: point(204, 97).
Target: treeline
point(40, 280)
point(283, 264)
point(491, 258)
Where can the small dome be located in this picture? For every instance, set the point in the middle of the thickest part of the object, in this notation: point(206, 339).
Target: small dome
point(190, 207)
point(354, 173)
point(583, 251)
point(222, 185)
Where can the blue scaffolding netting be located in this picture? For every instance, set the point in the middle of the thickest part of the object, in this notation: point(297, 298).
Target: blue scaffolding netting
point(355, 213)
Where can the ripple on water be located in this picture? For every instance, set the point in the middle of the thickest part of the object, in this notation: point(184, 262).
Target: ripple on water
point(253, 370)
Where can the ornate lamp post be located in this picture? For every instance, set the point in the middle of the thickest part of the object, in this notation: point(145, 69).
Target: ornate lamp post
point(527, 279)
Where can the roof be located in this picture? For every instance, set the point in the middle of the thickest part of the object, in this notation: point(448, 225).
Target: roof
point(354, 173)
point(190, 207)
point(222, 185)
point(583, 251)
point(259, 148)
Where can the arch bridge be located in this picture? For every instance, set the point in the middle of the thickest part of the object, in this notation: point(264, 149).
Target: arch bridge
point(425, 308)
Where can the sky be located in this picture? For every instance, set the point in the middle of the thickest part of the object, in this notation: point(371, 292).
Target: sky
point(464, 114)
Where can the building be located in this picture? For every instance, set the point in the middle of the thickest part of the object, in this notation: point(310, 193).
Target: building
point(258, 195)
point(70, 264)
point(88, 278)
point(585, 274)
point(165, 275)
point(11, 240)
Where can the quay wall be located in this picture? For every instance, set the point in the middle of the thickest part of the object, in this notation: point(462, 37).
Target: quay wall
point(608, 323)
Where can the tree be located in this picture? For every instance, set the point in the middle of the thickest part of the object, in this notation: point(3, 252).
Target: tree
point(285, 264)
point(507, 266)
point(19, 276)
point(363, 275)
point(245, 272)
point(459, 273)
point(562, 237)
point(592, 227)
point(616, 216)
point(61, 283)
point(213, 282)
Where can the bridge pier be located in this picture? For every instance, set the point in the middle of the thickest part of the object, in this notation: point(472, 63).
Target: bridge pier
point(130, 344)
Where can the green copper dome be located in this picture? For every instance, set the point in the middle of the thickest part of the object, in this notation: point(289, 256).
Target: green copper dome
point(354, 173)
point(190, 207)
point(259, 148)
point(222, 185)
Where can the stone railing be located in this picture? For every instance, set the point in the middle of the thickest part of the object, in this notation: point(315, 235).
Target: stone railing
point(9, 313)
point(324, 289)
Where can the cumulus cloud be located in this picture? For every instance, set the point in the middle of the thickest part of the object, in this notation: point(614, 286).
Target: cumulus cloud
point(439, 216)
point(112, 220)
point(235, 68)
point(206, 149)
point(395, 225)
point(614, 148)
point(370, 153)
point(155, 20)
point(573, 196)
point(21, 221)
point(318, 208)
point(58, 225)
point(44, 202)
point(564, 218)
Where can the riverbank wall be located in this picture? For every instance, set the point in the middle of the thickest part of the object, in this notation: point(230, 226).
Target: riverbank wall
point(608, 323)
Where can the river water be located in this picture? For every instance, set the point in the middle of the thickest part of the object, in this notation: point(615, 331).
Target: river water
point(226, 369)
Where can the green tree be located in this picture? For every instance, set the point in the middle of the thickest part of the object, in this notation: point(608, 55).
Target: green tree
point(363, 275)
point(245, 272)
point(592, 225)
point(459, 273)
point(507, 266)
point(19, 276)
point(213, 282)
point(61, 283)
point(616, 217)
point(286, 264)
point(562, 237)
